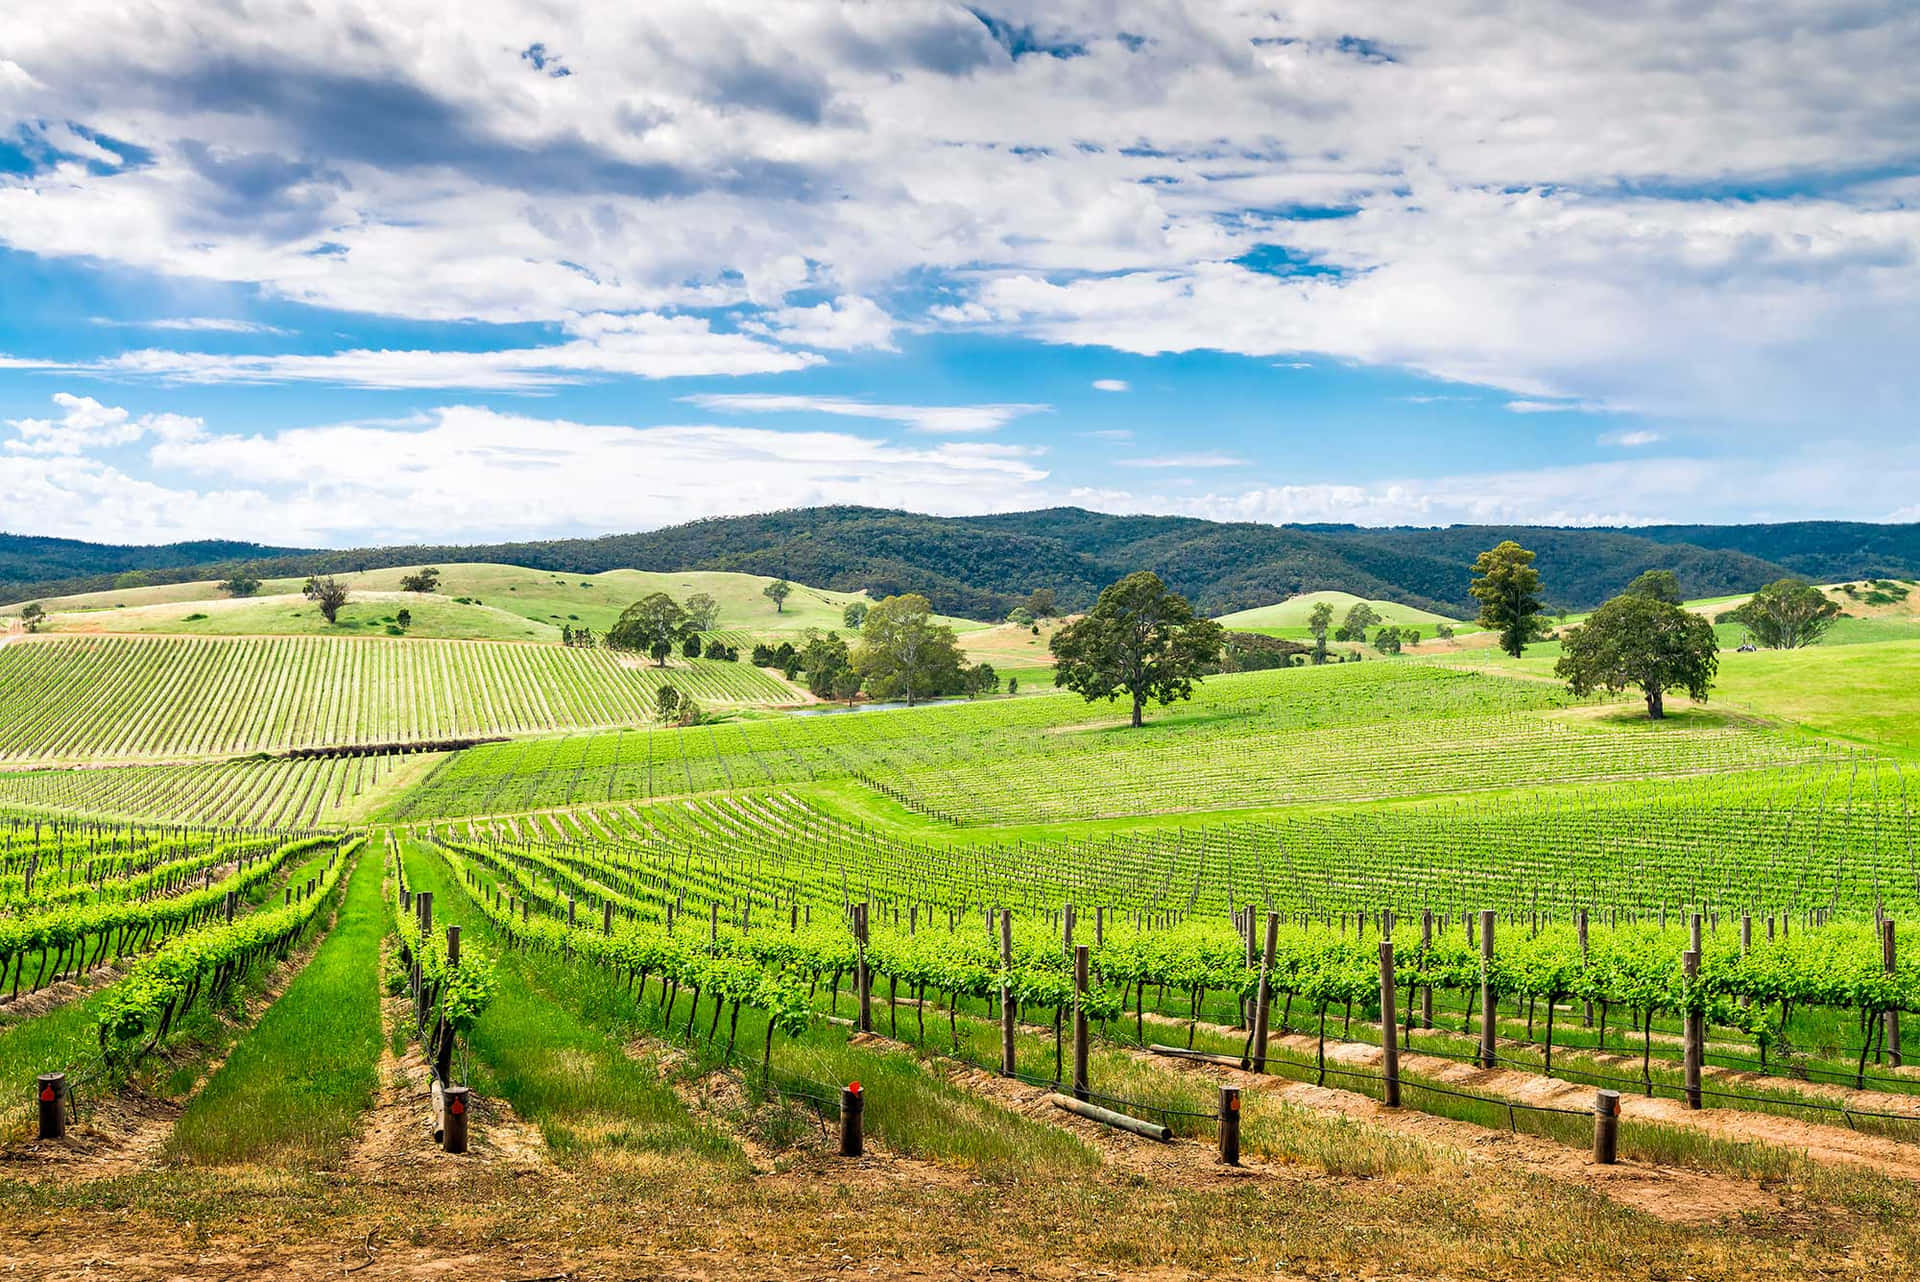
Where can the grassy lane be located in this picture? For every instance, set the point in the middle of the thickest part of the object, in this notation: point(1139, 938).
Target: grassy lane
point(68, 1039)
point(291, 1091)
point(559, 1071)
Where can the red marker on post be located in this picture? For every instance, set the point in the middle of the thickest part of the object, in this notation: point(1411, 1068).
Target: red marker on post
point(853, 1104)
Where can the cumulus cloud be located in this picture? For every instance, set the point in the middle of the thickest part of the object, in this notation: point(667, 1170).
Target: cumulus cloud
point(1708, 212)
point(1110, 385)
point(949, 419)
point(469, 472)
point(85, 424)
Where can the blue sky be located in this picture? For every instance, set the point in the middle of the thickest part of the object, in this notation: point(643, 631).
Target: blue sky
point(345, 273)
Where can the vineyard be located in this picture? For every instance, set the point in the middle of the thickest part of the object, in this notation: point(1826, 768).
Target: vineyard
point(255, 792)
point(1445, 908)
point(136, 698)
point(1258, 739)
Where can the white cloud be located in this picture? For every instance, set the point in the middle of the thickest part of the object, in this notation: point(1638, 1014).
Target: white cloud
point(846, 324)
point(948, 419)
point(1631, 440)
point(1110, 385)
point(641, 346)
point(1182, 460)
point(87, 425)
point(1625, 205)
point(1555, 407)
point(196, 325)
point(471, 473)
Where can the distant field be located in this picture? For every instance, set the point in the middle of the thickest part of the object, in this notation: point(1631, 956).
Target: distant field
point(503, 602)
point(70, 699)
point(247, 793)
point(1289, 618)
point(1299, 736)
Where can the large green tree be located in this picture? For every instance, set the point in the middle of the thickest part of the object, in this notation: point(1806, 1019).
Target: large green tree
point(777, 592)
point(1140, 639)
point(654, 621)
point(702, 610)
point(904, 654)
point(1360, 617)
point(1657, 585)
point(1318, 621)
point(1638, 641)
point(1508, 589)
point(1787, 614)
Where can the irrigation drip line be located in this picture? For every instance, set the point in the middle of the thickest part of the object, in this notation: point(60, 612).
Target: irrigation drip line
point(1056, 1084)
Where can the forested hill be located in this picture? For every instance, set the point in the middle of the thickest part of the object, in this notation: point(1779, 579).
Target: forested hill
point(980, 566)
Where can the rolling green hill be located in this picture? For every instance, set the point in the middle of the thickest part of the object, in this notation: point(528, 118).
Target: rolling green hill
point(979, 567)
point(475, 602)
point(1289, 617)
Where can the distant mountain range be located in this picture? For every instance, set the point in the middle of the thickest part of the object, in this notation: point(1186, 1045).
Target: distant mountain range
point(981, 566)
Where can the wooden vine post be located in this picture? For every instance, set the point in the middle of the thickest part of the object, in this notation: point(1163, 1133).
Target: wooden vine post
point(52, 1094)
point(1230, 1125)
point(454, 1125)
point(1426, 948)
point(1389, 1044)
point(1488, 1016)
point(1007, 1013)
point(1081, 1088)
point(1892, 1017)
point(853, 1104)
point(1695, 1026)
point(1263, 1001)
point(862, 977)
point(1606, 1127)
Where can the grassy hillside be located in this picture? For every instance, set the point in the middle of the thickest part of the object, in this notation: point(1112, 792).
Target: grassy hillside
point(1289, 618)
point(476, 601)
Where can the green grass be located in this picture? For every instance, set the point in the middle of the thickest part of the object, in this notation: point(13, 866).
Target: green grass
point(292, 1091)
point(562, 1072)
point(513, 603)
point(1290, 616)
point(67, 1038)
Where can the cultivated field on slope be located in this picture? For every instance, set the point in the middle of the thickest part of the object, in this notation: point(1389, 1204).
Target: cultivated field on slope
point(129, 698)
point(1289, 737)
point(502, 602)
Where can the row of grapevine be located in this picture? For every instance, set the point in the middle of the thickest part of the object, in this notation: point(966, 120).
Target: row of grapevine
point(72, 698)
point(246, 793)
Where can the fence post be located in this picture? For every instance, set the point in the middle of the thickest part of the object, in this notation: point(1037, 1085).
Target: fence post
point(453, 947)
point(1694, 1024)
point(1892, 1017)
point(1488, 1015)
point(1007, 1014)
point(1230, 1125)
point(606, 918)
point(1389, 1034)
point(53, 1105)
point(425, 901)
point(1263, 1003)
point(1081, 1089)
point(1606, 1127)
point(853, 1103)
point(453, 1136)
